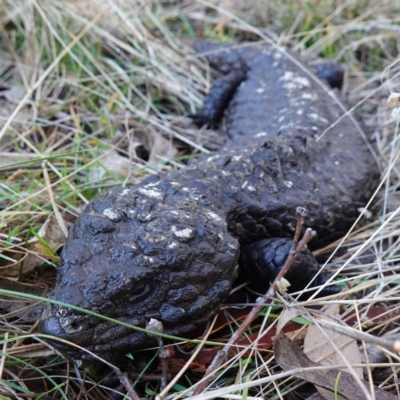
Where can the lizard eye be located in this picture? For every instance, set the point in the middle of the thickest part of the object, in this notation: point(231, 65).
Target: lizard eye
point(140, 291)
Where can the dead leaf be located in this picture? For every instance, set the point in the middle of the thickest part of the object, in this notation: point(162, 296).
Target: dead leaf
point(20, 307)
point(35, 252)
point(24, 119)
point(111, 161)
point(158, 147)
point(286, 316)
point(13, 94)
point(319, 347)
point(31, 350)
point(290, 357)
point(294, 330)
point(264, 344)
point(375, 354)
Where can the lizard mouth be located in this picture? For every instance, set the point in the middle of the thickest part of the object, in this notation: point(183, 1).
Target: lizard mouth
point(74, 337)
point(52, 326)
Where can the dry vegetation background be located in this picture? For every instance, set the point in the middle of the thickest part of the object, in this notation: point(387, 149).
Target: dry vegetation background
point(94, 94)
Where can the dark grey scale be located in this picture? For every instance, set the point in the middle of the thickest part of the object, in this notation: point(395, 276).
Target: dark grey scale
point(330, 72)
point(223, 91)
point(261, 262)
point(169, 248)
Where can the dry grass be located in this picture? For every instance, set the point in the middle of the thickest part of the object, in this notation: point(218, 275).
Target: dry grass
point(89, 90)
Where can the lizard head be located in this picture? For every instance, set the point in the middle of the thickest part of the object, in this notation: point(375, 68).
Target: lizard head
point(135, 255)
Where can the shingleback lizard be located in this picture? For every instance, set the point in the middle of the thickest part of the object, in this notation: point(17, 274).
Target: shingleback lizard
point(169, 248)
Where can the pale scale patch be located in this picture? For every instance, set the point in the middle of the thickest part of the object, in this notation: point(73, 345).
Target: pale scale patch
point(288, 184)
point(151, 193)
point(152, 184)
point(291, 86)
point(183, 233)
point(303, 81)
point(309, 96)
point(287, 76)
point(214, 216)
point(111, 214)
point(294, 82)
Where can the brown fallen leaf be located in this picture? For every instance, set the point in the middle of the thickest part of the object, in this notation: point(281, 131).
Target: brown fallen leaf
point(294, 330)
point(290, 357)
point(158, 147)
point(31, 350)
point(329, 348)
point(19, 307)
point(21, 259)
point(377, 355)
point(264, 345)
point(111, 161)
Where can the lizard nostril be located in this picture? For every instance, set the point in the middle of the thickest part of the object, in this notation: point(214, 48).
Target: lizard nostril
point(75, 326)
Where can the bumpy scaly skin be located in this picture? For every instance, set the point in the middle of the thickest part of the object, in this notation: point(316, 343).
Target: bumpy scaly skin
point(169, 248)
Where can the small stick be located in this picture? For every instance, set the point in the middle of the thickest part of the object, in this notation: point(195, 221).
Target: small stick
point(164, 358)
point(301, 213)
point(146, 377)
point(164, 355)
point(123, 378)
point(262, 301)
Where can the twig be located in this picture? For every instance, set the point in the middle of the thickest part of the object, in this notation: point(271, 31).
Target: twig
point(262, 301)
point(164, 355)
point(123, 378)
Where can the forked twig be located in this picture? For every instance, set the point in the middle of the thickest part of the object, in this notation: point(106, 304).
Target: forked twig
point(123, 378)
point(262, 301)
